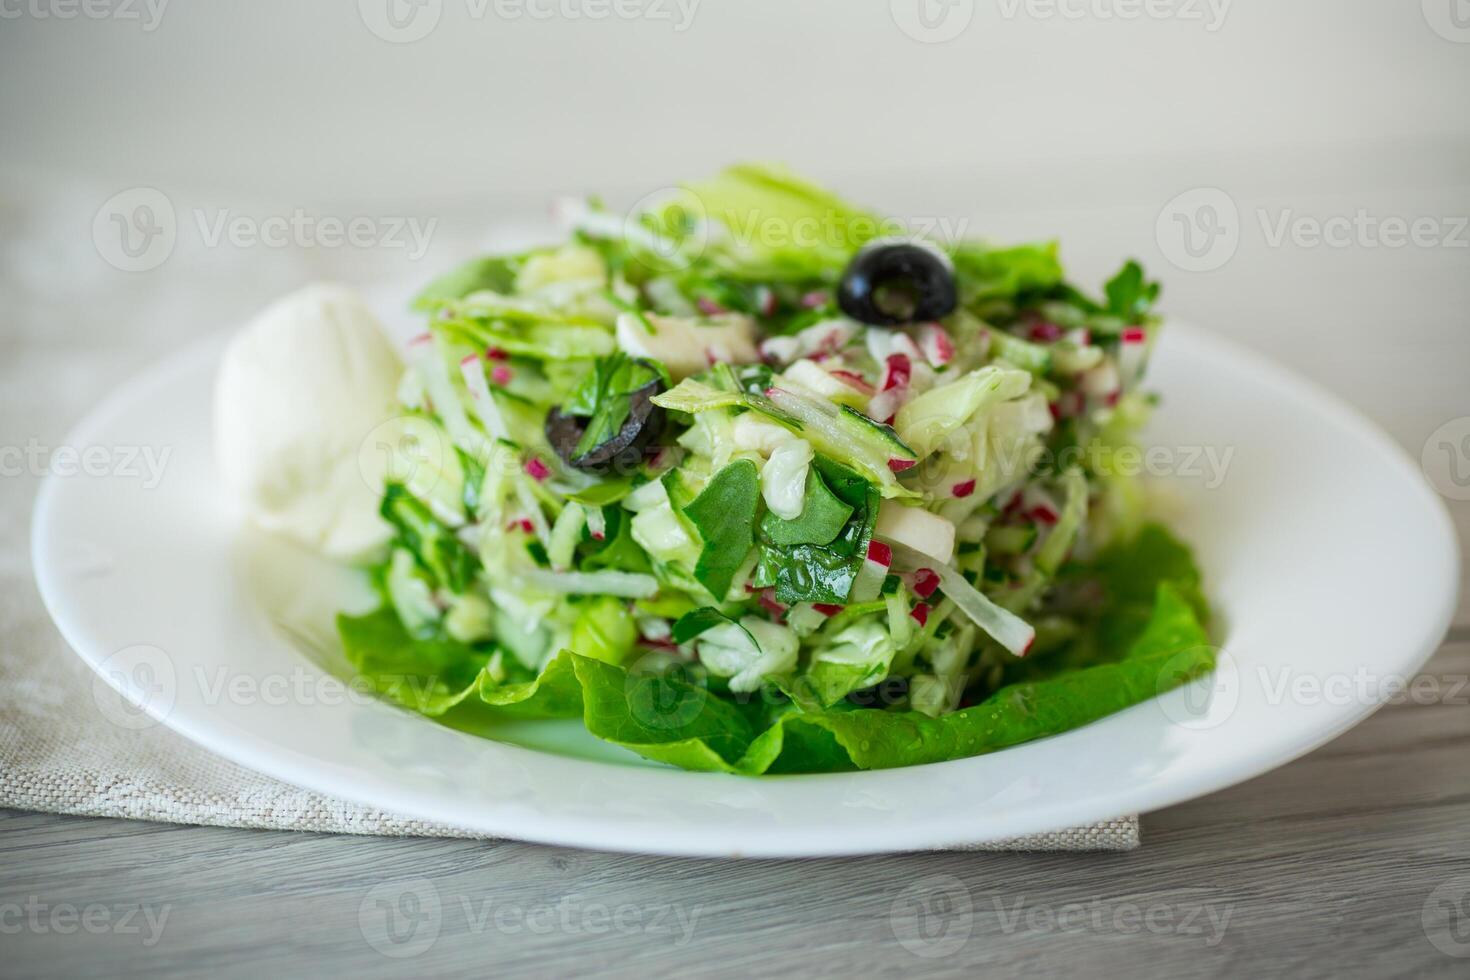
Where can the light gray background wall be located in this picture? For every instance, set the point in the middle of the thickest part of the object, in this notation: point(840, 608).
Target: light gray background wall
point(1078, 118)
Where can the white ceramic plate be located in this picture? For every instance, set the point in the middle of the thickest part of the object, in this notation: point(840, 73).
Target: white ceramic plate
point(1331, 564)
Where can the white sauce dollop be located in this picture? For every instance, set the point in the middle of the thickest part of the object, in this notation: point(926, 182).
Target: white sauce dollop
point(300, 390)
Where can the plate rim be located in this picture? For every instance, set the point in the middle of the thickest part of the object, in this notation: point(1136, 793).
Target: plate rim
point(943, 830)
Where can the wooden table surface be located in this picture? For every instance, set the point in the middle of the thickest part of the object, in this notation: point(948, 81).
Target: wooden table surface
point(1352, 861)
point(1326, 867)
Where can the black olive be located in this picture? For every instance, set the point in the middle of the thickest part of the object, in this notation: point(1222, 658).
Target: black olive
point(623, 451)
point(894, 281)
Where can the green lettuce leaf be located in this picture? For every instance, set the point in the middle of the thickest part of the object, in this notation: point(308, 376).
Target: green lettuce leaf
point(605, 397)
point(1130, 294)
point(673, 720)
point(804, 230)
point(434, 546)
point(436, 676)
point(823, 516)
point(671, 716)
point(824, 572)
point(496, 273)
point(431, 676)
point(987, 273)
point(724, 515)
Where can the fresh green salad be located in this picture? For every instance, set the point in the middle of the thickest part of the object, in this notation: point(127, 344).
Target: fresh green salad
point(748, 483)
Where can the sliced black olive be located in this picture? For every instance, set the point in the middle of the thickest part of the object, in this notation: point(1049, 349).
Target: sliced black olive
point(895, 281)
point(623, 451)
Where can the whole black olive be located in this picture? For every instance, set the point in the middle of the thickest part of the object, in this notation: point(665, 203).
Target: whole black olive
point(895, 281)
point(625, 450)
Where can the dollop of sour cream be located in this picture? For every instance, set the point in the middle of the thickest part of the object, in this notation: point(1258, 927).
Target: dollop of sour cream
point(299, 394)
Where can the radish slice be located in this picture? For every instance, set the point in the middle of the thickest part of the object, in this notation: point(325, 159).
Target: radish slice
point(919, 529)
point(483, 401)
point(853, 380)
point(1045, 331)
point(885, 405)
point(781, 350)
point(1101, 381)
point(1069, 404)
point(828, 335)
point(935, 343)
point(1004, 626)
point(897, 372)
point(926, 581)
point(920, 614)
point(1131, 353)
point(880, 553)
point(765, 299)
point(1034, 498)
point(769, 604)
